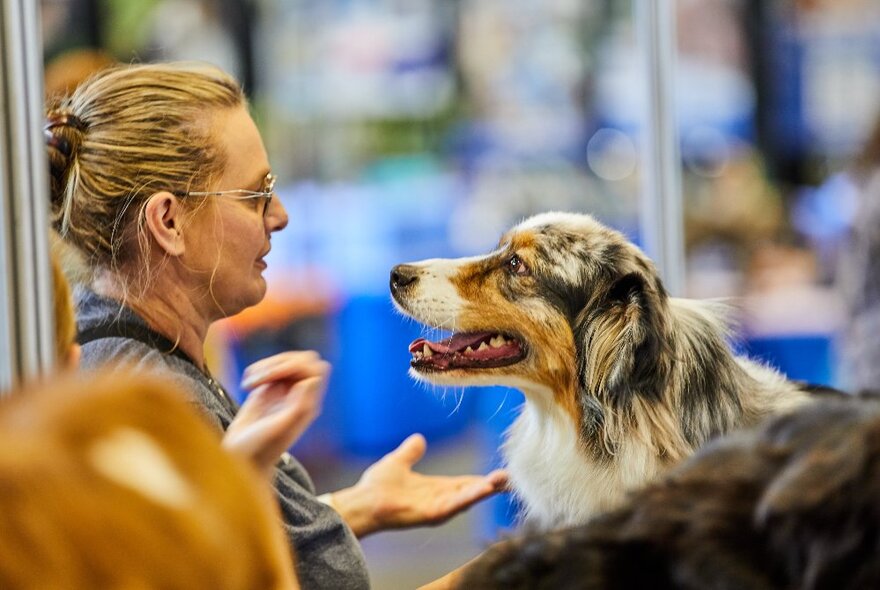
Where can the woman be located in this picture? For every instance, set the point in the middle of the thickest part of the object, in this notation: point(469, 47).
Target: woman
point(161, 180)
point(130, 455)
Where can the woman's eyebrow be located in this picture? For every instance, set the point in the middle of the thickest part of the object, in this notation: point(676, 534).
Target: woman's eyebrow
point(259, 181)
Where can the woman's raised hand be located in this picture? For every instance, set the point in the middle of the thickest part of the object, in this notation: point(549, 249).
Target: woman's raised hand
point(391, 495)
point(286, 392)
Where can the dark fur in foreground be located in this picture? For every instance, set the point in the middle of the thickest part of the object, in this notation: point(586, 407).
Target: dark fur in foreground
point(794, 504)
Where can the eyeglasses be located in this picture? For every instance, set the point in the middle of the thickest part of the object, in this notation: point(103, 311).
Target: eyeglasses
point(268, 190)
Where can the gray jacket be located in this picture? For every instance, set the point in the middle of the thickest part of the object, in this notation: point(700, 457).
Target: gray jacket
point(326, 551)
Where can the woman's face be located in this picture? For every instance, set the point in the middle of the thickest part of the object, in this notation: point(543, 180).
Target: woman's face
point(227, 238)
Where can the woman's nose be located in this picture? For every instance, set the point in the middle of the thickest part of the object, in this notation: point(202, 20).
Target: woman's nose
point(276, 215)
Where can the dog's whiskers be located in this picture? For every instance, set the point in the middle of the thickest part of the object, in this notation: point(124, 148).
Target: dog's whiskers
point(459, 399)
point(500, 405)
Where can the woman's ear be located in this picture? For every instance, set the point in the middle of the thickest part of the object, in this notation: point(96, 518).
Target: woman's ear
point(163, 216)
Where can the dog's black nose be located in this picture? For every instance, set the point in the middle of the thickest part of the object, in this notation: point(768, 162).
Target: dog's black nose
point(402, 276)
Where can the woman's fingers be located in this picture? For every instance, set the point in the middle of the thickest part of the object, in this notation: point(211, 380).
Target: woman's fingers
point(410, 451)
point(303, 402)
point(280, 357)
point(289, 365)
point(285, 406)
point(463, 493)
point(273, 418)
point(499, 479)
point(291, 369)
point(304, 405)
point(269, 362)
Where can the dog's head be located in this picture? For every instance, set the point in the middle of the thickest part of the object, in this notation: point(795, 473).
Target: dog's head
point(563, 303)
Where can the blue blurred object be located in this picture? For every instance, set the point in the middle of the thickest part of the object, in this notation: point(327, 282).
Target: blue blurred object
point(379, 404)
point(822, 76)
point(808, 357)
point(495, 410)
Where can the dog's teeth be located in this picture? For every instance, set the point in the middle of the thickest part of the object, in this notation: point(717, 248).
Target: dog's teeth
point(426, 351)
point(497, 341)
point(483, 346)
point(468, 350)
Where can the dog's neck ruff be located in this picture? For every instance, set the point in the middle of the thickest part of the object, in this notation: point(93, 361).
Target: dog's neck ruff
point(560, 483)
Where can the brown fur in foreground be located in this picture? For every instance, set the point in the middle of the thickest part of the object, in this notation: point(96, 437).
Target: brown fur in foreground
point(111, 483)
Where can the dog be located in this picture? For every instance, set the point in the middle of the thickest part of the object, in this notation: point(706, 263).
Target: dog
point(621, 380)
point(790, 505)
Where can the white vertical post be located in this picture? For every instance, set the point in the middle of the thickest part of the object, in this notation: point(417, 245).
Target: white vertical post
point(661, 219)
point(26, 311)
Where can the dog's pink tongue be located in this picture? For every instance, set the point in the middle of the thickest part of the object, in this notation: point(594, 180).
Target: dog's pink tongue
point(454, 343)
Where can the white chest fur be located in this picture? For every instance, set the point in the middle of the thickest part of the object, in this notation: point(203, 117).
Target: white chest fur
point(558, 482)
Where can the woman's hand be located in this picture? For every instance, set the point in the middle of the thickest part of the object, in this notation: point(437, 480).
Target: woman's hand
point(286, 394)
point(391, 495)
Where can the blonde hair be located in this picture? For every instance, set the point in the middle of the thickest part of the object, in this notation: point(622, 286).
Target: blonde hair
point(124, 135)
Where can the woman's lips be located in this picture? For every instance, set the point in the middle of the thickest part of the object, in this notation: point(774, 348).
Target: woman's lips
point(261, 262)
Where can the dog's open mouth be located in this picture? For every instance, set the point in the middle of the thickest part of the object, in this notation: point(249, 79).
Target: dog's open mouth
point(467, 350)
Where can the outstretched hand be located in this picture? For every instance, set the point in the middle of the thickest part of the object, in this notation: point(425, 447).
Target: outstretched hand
point(286, 394)
point(391, 495)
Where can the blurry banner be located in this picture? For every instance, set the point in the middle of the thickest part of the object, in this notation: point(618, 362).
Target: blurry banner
point(524, 65)
point(825, 80)
point(358, 59)
point(26, 312)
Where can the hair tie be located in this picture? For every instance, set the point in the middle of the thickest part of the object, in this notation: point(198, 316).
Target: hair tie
point(64, 120)
point(56, 141)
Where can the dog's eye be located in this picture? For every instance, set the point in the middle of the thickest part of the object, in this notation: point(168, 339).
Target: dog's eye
point(516, 266)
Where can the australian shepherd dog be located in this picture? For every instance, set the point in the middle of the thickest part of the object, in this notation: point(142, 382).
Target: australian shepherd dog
point(621, 380)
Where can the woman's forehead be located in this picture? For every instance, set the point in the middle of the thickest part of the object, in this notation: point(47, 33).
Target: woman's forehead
point(246, 158)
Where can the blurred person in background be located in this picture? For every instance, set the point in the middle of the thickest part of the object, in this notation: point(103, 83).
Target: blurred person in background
point(160, 179)
point(859, 273)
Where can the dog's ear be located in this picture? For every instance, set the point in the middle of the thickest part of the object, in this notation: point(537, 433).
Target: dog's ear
point(622, 341)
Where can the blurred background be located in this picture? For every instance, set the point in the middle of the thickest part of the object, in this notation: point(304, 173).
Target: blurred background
point(404, 130)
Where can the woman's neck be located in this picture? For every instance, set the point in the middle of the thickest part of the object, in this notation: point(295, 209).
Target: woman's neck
point(167, 308)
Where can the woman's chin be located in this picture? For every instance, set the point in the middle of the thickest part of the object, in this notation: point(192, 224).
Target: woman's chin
point(249, 297)
point(258, 293)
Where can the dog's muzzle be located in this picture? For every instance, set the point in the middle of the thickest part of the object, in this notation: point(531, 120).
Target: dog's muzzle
point(403, 276)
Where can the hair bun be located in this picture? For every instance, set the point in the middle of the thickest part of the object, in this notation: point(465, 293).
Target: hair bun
point(63, 133)
point(61, 141)
point(62, 119)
